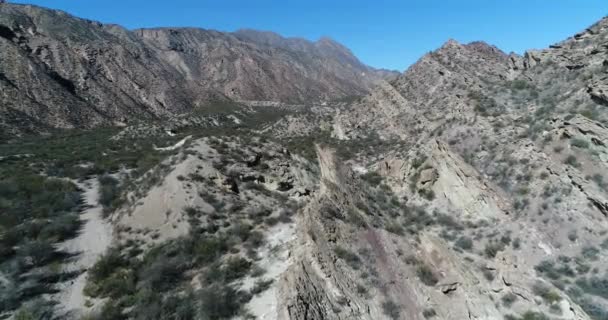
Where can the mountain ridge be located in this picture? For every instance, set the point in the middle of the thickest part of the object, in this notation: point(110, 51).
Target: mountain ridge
point(111, 75)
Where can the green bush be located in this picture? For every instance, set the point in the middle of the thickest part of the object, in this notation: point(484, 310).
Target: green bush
point(580, 143)
point(546, 293)
point(519, 84)
point(590, 253)
point(529, 315)
point(428, 194)
point(107, 264)
point(391, 309)
point(351, 258)
point(221, 302)
point(426, 275)
point(594, 285)
point(373, 178)
point(488, 274)
point(36, 253)
point(592, 308)
point(429, 313)
point(572, 161)
point(464, 243)
point(109, 192)
point(508, 299)
point(162, 273)
point(261, 286)
point(236, 268)
point(516, 244)
point(493, 248)
point(394, 227)
point(209, 248)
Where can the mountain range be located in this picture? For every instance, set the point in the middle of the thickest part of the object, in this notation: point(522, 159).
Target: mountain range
point(60, 71)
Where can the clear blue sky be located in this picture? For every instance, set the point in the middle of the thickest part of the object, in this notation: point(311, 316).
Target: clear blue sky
point(382, 33)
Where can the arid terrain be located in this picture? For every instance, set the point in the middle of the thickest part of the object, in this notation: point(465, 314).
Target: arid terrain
point(193, 174)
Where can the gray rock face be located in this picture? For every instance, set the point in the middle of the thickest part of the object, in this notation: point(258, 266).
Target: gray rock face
point(515, 141)
point(253, 65)
point(58, 71)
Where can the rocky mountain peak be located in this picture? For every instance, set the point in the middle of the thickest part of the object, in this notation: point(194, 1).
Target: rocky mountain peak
point(450, 43)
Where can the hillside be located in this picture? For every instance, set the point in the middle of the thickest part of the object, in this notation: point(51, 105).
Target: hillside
point(59, 71)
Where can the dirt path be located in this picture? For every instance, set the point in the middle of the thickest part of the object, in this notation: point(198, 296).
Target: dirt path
point(93, 240)
point(275, 260)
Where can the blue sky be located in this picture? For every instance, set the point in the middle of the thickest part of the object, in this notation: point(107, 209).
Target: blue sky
point(383, 33)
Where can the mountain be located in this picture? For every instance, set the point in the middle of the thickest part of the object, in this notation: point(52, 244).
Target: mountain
point(59, 71)
point(262, 66)
point(471, 186)
point(512, 146)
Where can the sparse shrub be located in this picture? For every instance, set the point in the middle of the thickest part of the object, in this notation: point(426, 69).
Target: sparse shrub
point(207, 249)
point(395, 228)
point(256, 239)
point(594, 285)
point(508, 299)
point(464, 243)
point(579, 143)
point(590, 253)
point(448, 221)
point(373, 178)
point(555, 309)
point(220, 302)
point(519, 84)
point(429, 313)
point(428, 194)
point(572, 235)
point(109, 191)
point(551, 271)
point(488, 274)
point(107, 264)
point(593, 309)
point(36, 253)
point(523, 191)
point(529, 315)
point(391, 309)
point(426, 275)
point(546, 293)
point(516, 244)
point(162, 274)
point(362, 290)
point(572, 161)
point(260, 286)
point(354, 217)
point(191, 211)
point(599, 181)
point(492, 249)
point(351, 258)
point(236, 268)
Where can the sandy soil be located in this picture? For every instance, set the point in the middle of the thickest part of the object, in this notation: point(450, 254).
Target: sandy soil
point(93, 240)
point(275, 260)
point(179, 144)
